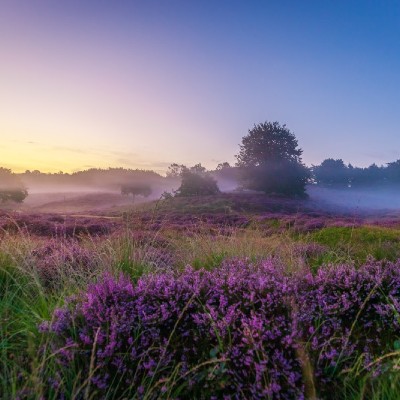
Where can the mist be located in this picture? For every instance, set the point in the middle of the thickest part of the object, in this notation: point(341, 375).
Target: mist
point(356, 200)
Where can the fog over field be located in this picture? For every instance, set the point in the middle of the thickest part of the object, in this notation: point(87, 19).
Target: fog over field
point(369, 200)
point(69, 198)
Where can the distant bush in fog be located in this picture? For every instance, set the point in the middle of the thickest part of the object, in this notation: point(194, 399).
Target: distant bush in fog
point(16, 195)
point(136, 189)
point(11, 189)
point(196, 181)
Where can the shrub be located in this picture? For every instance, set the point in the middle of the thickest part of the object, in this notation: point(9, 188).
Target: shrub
point(136, 190)
point(16, 195)
point(197, 183)
point(239, 331)
point(57, 259)
point(349, 318)
point(222, 332)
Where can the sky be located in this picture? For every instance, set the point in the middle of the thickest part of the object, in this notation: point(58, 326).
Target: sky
point(143, 84)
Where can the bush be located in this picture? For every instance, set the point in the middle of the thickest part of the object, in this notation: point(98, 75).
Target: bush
point(238, 331)
point(137, 189)
point(16, 195)
point(349, 318)
point(197, 182)
point(200, 334)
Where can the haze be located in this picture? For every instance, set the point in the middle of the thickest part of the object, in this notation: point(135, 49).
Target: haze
point(144, 84)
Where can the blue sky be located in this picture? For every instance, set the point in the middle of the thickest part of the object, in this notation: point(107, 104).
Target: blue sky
point(144, 84)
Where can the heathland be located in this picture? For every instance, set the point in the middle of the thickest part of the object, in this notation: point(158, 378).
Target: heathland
point(236, 295)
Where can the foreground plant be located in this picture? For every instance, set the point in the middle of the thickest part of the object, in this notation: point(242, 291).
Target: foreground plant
point(225, 332)
point(239, 331)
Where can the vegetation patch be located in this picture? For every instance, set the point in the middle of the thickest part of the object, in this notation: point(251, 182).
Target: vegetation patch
point(358, 243)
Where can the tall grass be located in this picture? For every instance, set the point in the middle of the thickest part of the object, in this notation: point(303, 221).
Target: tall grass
point(27, 359)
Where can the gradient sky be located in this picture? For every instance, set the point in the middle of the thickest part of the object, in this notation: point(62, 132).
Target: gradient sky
point(142, 84)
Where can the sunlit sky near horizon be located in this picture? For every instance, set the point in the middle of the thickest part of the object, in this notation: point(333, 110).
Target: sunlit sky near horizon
point(142, 84)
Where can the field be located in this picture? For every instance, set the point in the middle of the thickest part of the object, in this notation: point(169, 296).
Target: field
point(234, 296)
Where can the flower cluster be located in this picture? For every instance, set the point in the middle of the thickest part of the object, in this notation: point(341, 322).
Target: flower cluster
point(235, 332)
point(349, 315)
point(56, 258)
point(225, 331)
point(49, 225)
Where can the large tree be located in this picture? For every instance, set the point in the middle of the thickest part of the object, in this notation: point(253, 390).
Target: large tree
point(270, 160)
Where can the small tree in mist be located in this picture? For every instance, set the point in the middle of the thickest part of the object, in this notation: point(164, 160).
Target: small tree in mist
point(196, 181)
point(270, 161)
point(16, 195)
point(223, 166)
point(175, 170)
point(136, 190)
point(11, 189)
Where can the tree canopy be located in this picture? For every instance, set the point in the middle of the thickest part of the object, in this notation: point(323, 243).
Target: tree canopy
point(196, 181)
point(136, 189)
point(270, 160)
point(268, 142)
point(11, 188)
point(332, 172)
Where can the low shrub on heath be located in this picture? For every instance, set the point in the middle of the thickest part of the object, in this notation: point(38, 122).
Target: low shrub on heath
point(225, 331)
point(238, 331)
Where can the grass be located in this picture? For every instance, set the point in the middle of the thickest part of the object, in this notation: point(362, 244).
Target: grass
point(357, 243)
point(26, 359)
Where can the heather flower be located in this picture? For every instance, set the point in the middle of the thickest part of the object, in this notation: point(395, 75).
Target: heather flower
point(59, 257)
point(145, 331)
point(233, 332)
point(346, 313)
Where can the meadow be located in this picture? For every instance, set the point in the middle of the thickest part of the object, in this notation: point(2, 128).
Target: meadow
point(234, 296)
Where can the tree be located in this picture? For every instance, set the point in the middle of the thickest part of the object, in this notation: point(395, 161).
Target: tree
point(268, 142)
point(270, 160)
point(16, 195)
point(196, 181)
point(175, 170)
point(373, 175)
point(393, 172)
point(223, 166)
point(11, 189)
point(332, 172)
point(136, 189)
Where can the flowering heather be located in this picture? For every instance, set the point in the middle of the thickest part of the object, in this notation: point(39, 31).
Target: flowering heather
point(308, 250)
point(58, 257)
point(56, 225)
point(154, 257)
point(234, 332)
point(143, 238)
point(349, 315)
point(222, 332)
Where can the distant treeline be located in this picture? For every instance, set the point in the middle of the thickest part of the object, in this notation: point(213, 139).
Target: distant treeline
point(15, 186)
point(111, 178)
point(336, 173)
point(269, 160)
